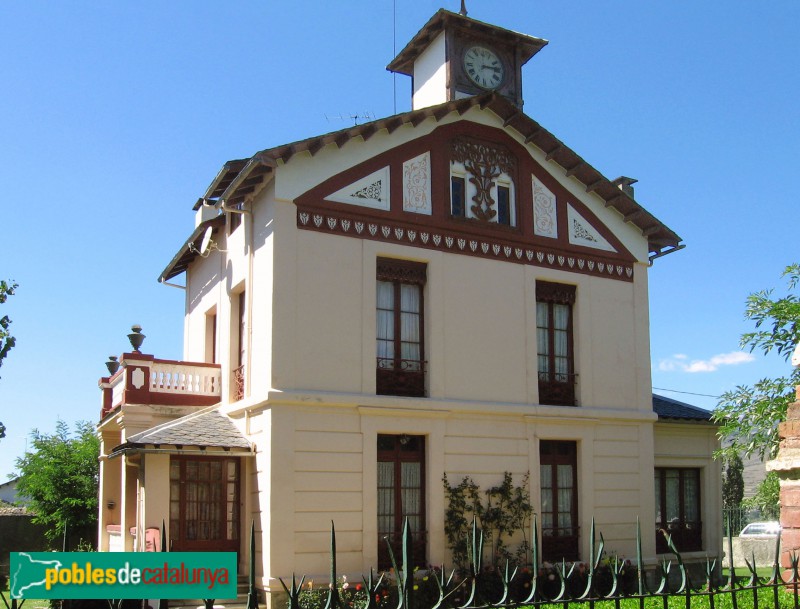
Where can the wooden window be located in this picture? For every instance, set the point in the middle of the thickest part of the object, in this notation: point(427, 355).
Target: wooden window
point(558, 477)
point(482, 176)
point(211, 337)
point(204, 504)
point(504, 205)
point(241, 346)
point(401, 495)
point(400, 328)
point(554, 343)
point(678, 509)
point(458, 196)
point(234, 218)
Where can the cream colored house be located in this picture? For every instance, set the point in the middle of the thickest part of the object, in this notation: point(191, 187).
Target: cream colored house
point(451, 290)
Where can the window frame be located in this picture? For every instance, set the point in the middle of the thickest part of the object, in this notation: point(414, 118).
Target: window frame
point(229, 523)
point(397, 455)
point(396, 375)
point(239, 371)
point(460, 172)
point(553, 390)
point(687, 535)
point(556, 545)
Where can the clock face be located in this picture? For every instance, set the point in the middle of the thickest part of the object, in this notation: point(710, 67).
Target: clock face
point(483, 67)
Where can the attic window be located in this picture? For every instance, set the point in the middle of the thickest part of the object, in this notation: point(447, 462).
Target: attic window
point(482, 182)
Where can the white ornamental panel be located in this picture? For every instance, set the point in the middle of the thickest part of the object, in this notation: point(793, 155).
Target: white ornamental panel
point(545, 220)
point(417, 184)
point(583, 233)
point(370, 191)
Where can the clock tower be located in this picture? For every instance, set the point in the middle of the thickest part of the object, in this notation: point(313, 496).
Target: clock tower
point(453, 56)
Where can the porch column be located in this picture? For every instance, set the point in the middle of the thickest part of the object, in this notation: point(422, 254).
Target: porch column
point(109, 493)
point(128, 502)
point(155, 490)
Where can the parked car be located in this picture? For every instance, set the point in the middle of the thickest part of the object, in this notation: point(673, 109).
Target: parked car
point(761, 529)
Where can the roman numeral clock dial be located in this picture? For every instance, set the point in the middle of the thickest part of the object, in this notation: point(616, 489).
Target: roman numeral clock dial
point(483, 67)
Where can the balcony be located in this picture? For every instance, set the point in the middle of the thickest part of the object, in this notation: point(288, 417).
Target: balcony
point(403, 377)
point(143, 379)
point(557, 389)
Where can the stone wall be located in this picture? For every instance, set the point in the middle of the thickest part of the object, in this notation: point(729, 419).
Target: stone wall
point(787, 466)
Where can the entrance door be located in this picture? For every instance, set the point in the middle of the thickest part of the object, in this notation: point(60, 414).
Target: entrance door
point(401, 495)
point(204, 504)
point(559, 487)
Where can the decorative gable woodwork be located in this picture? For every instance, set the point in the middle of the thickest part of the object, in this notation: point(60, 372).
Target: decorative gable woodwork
point(545, 216)
point(551, 229)
point(484, 164)
point(417, 184)
point(582, 232)
point(370, 191)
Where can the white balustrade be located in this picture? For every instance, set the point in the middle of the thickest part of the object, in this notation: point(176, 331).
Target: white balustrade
point(183, 378)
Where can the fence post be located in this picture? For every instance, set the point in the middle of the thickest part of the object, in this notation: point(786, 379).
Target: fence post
point(252, 593)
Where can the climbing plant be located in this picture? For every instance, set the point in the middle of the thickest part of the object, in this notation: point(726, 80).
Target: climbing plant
point(503, 513)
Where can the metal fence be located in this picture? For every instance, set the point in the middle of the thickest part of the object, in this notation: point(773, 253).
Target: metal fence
point(538, 584)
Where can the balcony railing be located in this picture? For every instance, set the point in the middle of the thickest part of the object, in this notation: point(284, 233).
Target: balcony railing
point(143, 379)
point(686, 535)
point(403, 377)
point(419, 544)
point(238, 383)
point(557, 389)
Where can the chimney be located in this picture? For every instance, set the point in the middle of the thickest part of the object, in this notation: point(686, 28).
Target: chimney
point(625, 184)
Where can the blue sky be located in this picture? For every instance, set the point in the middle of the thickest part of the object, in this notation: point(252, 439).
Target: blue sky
point(116, 116)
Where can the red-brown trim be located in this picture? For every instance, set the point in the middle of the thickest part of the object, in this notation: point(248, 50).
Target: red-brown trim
point(467, 236)
point(661, 239)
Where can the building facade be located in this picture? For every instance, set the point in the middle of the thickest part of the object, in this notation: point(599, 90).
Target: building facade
point(448, 291)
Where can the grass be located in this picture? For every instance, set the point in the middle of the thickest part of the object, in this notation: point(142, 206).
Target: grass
point(26, 603)
point(721, 601)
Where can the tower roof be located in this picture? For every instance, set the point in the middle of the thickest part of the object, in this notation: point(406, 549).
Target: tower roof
point(404, 62)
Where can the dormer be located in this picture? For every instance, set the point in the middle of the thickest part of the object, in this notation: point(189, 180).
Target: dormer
point(454, 56)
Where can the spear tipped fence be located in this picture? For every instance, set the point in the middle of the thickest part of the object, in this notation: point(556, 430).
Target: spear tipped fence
point(583, 584)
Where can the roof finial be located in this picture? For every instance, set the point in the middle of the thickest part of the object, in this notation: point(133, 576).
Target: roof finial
point(463, 10)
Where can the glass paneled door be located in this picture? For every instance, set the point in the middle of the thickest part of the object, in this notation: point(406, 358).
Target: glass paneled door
point(204, 504)
point(559, 493)
point(401, 495)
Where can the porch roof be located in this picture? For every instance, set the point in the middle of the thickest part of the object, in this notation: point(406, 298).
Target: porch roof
point(207, 428)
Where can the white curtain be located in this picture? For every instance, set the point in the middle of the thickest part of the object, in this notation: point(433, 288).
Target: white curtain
point(411, 488)
point(384, 319)
point(673, 495)
point(542, 344)
point(546, 484)
point(409, 322)
point(691, 505)
point(560, 324)
point(565, 484)
point(385, 497)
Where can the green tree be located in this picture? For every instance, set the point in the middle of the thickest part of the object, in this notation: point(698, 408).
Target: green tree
point(60, 477)
point(766, 498)
point(732, 482)
point(749, 416)
point(7, 341)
